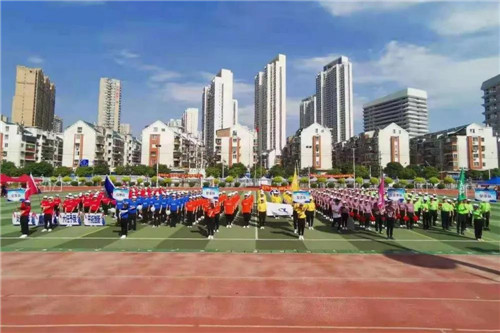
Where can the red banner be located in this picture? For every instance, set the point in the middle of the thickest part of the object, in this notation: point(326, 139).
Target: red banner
point(347, 175)
point(268, 188)
point(180, 175)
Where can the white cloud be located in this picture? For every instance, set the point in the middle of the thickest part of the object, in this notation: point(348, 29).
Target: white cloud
point(314, 63)
point(36, 59)
point(163, 75)
point(181, 92)
point(207, 75)
point(246, 115)
point(347, 8)
point(124, 53)
point(469, 19)
point(242, 88)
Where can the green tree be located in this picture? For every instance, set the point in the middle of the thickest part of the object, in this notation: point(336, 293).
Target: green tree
point(125, 179)
point(388, 180)
point(216, 181)
point(359, 180)
point(403, 182)
point(168, 182)
point(84, 171)
point(321, 181)
point(334, 171)
point(237, 170)
point(121, 170)
point(229, 179)
point(162, 168)
point(257, 171)
point(290, 179)
point(277, 180)
point(419, 170)
point(342, 181)
point(277, 170)
point(346, 168)
point(434, 180)
point(374, 181)
point(97, 180)
point(213, 171)
point(153, 180)
point(53, 179)
point(419, 180)
point(140, 180)
point(304, 180)
point(82, 180)
point(39, 169)
point(62, 171)
point(9, 168)
point(448, 180)
point(473, 174)
point(362, 171)
point(112, 178)
point(393, 169)
point(407, 173)
point(101, 169)
point(430, 172)
point(66, 179)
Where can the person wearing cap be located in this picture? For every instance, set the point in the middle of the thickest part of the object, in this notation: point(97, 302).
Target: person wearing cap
point(462, 212)
point(469, 215)
point(229, 209)
point(446, 210)
point(25, 210)
point(390, 218)
point(310, 209)
point(246, 209)
point(48, 212)
point(156, 210)
point(57, 207)
point(335, 209)
point(262, 211)
point(124, 215)
point(433, 209)
point(210, 218)
point(174, 211)
point(146, 203)
point(426, 216)
point(132, 213)
point(477, 216)
point(485, 207)
point(190, 211)
point(301, 220)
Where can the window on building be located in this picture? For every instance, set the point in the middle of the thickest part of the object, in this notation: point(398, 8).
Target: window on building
point(6, 145)
point(79, 130)
point(484, 164)
point(6, 137)
point(155, 129)
point(163, 130)
point(6, 128)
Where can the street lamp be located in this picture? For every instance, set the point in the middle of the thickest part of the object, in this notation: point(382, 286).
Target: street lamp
point(157, 162)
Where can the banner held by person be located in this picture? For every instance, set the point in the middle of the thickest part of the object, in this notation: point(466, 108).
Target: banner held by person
point(96, 219)
point(461, 186)
point(396, 194)
point(210, 193)
point(16, 195)
point(120, 194)
point(278, 209)
point(301, 196)
point(485, 195)
point(33, 220)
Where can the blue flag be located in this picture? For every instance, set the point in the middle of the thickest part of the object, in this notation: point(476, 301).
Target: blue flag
point(109, 187)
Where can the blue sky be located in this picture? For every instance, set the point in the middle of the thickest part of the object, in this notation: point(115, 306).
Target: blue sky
point(165, 52)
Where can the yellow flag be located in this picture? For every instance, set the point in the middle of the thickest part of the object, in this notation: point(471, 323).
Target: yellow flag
point(295, 181)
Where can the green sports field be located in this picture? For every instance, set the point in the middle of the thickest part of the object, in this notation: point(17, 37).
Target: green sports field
point(278, 236)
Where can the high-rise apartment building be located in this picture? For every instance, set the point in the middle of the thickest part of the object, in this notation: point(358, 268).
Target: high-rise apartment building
point(308, 111)
point(407, 108)
point(334, 108)
point(125, 129)
point(110, 99)
point(57, 124)
point(217, 107)
point(190, 121)
point(270, 108)
point(34, 99)
point(491, 103)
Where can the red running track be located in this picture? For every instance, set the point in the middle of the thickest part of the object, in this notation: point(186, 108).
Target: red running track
point(193, 292)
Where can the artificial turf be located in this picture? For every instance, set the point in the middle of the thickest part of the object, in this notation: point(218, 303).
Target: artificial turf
point(278, 236)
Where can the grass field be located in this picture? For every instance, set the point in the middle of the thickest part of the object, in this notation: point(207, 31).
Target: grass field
point(278, 236)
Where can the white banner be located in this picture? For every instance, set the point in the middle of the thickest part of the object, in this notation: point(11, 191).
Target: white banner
point(120, 194)
point(16, 194)
point(485, 195)
point(93, 219)
point(69, 219)
point(301, 196)
point(16, 219)
point(210, 193)
point(277, 209)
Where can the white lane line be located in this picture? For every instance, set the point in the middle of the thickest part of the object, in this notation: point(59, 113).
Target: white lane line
point(283, 327)
point(266, 239)
point(368, 298)
point(235, 277)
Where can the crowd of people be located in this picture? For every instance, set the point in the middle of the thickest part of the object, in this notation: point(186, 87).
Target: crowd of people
point(161, 206)
point(365, 208)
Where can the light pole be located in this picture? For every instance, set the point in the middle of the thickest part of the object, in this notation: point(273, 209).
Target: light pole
point(157, 162)
point(354, 166)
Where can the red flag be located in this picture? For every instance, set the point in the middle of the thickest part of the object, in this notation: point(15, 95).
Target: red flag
point(381, 192)
point(31, 188)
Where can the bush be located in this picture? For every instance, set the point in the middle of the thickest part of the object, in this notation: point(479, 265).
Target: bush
point(162, 182)
point(314, 185)
point(126, 179)
point(153, 180)
point(112, 178)
point(331, 185)
point(237, 184)
point(398, 185)
point(366, 185)
point(97, 180)
point(192, 184)
point(140, 180)
point(147, 183)
point(177, 184)
point(350, 185)
point(118, 184)
point(222, 184)
point(89, 183)
point(66, 179)
point(206, 184)
point(53, 179)
point(168, 181)
point(216, 181)
point(410, 186)
point(82, 180)
point(74, 183)
point(131, 183)
point(441, 186)
point(58, 183)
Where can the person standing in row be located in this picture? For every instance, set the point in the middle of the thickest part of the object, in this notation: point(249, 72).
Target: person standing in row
point(377, 213)
point(446, 211)
point(310, 209)
point(335, 209)
point(426, 214)
point(133, 213)
point(25, 218)
point(262, 211)
point(190, 212)
point(124, 213)
point(477, 215)
point(485, 207)
point(48, 211)
point(390, 215)
point(246, 209)
point(433, 211)
point(174, 211)
point(210, 214)
point(301, 222)
point(295, 206)
point(462, 211)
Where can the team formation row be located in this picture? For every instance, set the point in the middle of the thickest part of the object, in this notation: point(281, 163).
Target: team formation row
point(369, 207)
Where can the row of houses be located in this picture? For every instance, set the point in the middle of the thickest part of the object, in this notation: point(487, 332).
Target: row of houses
point(472, 146)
